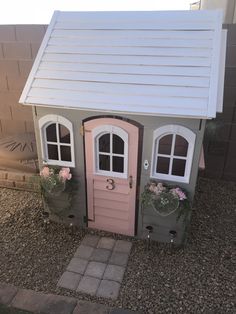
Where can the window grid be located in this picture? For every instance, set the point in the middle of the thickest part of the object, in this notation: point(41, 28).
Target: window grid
point(110, 154)
point(45, 122)
point(172, 156)
point(174, 130)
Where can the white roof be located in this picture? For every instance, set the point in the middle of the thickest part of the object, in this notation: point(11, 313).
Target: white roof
point(151, 63)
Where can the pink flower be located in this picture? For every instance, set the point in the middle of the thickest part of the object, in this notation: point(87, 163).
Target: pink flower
point(65, 174)
point(178, 192)
point(45, 172)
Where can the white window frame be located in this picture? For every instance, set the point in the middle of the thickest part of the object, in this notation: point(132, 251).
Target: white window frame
point(174, 130)
point(97, 133)
point(44, 122)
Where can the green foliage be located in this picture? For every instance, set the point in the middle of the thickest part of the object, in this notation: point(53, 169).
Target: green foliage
point(166, 199)
point(58, 189)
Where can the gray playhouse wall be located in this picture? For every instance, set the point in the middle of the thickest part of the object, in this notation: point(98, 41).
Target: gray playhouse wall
point(149, 123)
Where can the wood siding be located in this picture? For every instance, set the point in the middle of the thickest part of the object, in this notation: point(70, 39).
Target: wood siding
point(161, 63)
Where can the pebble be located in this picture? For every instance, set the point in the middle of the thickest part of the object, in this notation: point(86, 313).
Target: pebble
point(196, 279)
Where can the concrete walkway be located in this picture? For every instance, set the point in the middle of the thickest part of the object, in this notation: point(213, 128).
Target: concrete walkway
point(37, 302)
point(97, 267)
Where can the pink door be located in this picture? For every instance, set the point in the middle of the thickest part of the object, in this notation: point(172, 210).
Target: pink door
point(111, 154)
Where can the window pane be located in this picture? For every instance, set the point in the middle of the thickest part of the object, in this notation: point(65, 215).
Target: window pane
point(64, 134)
point(52, 152)
point(104, 162)
point(181, 146)
point(118, 164)
point(118, 145)
point(51, 133)
point(104, 143)
point(65, 153)
point(165, 144)
point(178, 167)
point(163, 165)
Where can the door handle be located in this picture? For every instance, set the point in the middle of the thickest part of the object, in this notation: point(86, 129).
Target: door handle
point(130, 182)
point(111, 184)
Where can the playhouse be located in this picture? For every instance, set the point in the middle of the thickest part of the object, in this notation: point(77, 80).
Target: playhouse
point(122, 97)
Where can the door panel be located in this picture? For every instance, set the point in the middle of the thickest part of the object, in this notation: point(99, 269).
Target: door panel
point(111, 185)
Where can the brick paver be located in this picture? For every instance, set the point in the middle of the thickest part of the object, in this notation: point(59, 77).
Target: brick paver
point(69, 280)
point(7, 293)
point(119, 258)
point(108, 289)
point(95, 269)
point(84, 251)
point(88, 285)
point(77, 265)
point(114, 272)
point(100, 255)
point(38, 302)
point(98, 267)
point(123, 246)
point(84, 307)
point(90, 240)
point(106, 243)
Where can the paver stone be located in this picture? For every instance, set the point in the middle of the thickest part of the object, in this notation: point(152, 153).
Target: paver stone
point(108, 289)
point(77, 265)
point(123, 246)
point(7, 293)
point(100, 255)
point(88, 285)
point(119, 258)
point(95, 269)
point(84, 251)
point(84, 307)
point(69, 280)
point(29, 300)
point(106, 243)
point(58, 305)
point(114, 272)
point(90, 240)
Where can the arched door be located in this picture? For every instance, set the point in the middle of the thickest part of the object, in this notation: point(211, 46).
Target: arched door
point(111, 154)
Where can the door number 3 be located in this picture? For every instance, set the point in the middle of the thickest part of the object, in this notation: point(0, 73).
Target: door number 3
point(111, 184)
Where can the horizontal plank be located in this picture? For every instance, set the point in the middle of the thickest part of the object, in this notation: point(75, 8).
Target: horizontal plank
point(111, 204)
point(119, 188)
point(131, 51)
point(134, 16)
point(110, 213)
point(125, 78)
point(125, 69)
point(132, 25)
point(131, 42)
point(128, 100)
point(135, 34)
point(107, 107)
point(138, 60)
point(125, 89)
point(112, 197)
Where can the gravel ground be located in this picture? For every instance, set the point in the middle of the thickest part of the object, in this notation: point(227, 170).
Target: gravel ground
point(199, 278)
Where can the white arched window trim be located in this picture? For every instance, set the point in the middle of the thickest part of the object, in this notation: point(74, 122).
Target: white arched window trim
point(175, 130)
point(43, 123)
point(97, 133)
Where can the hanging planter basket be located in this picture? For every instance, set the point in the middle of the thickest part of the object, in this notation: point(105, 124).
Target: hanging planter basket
point(165, 205)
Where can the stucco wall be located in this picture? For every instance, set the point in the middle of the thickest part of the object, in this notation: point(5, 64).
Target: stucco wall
point(148, 122)
point(18, 47)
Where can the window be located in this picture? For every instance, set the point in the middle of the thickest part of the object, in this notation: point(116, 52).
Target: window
point(111, 151)
point(173, 147)
point(57, 140)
